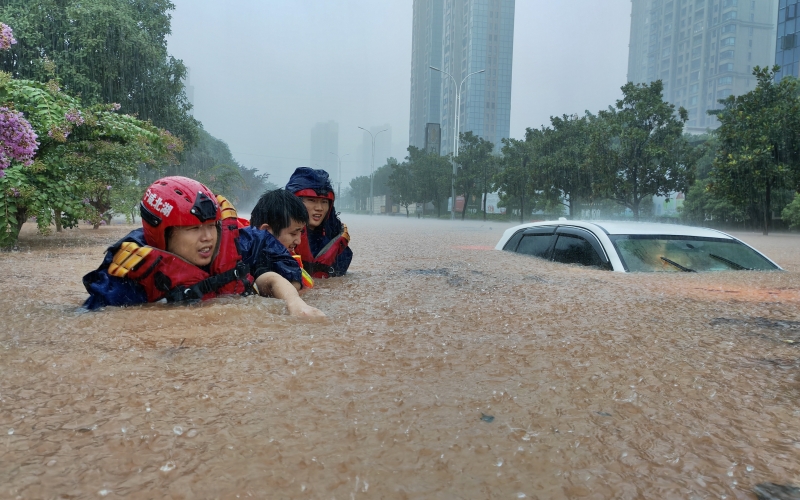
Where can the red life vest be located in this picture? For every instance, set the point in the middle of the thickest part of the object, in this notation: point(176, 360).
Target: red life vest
point(165, 275)
point(318, 266)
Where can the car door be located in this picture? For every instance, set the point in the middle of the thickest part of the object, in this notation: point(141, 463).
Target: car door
point(574, 245)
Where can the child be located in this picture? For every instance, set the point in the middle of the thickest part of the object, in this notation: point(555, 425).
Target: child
point(284, 216)
point(190, 247)
point(324, 247)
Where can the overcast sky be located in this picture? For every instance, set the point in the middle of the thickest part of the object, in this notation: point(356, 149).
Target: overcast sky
point(265, 71)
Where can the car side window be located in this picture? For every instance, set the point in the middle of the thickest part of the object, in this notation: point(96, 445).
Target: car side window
point(537, 245)
point(571, 249)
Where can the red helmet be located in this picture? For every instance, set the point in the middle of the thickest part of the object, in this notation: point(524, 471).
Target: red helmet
point(175, 201)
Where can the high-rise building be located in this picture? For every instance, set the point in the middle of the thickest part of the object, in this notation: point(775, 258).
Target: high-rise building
point(324, 141)
point(426, 84)
point(474, 35)
point(702, 50)
point(787, 50)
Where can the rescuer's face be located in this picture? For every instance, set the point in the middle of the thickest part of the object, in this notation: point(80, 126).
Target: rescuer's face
point(194, 244)
point(317, 210)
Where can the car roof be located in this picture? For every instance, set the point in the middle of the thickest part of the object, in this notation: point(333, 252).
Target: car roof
point(625, 227)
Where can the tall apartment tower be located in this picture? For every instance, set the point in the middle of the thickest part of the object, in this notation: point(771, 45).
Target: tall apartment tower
point(703, 50)
point(787, 50)
point(324, 141)
point(426, 84)
point(474, 35)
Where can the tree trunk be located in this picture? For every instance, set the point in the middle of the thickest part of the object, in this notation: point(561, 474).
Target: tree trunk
point(767, 207)
point(58, 220)
point(464, 208)
point(635, 210)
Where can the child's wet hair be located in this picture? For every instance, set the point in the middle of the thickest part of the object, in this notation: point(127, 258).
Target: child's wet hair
point(278, 208)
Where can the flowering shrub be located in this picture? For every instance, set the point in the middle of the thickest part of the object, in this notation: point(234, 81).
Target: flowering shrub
point(6, 37)
point(17, 139)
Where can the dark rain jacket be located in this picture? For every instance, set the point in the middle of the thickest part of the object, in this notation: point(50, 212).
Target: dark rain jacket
point(331, 227)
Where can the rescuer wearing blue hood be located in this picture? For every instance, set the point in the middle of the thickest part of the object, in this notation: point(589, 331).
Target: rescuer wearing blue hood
point(324, 246)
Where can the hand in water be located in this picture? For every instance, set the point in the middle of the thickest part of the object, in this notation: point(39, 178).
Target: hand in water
point(300, 308)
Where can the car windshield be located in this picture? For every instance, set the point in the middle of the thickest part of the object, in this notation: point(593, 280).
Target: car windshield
point(652, 253)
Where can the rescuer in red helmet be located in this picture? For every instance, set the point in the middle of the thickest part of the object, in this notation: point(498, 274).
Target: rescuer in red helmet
point(191, 248)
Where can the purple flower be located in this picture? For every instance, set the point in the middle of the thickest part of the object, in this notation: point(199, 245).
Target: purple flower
point(108, 187)
point(116, 106)
point(17, 138)
point(74, 116)
point(6, 37)
point(14, 192)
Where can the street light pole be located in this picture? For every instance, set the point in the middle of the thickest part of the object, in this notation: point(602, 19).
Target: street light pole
point(372, 169)
point(339, 190)
point(456, 125)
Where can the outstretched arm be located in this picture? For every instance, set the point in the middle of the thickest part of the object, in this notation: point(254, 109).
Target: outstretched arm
point(273, 284)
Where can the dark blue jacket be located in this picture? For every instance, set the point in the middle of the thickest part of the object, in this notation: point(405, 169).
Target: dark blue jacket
point(319, 181)
point(260, 251)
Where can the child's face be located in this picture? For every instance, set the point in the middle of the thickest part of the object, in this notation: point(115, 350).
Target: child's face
point(290, 236)
point(194, 244)
point(317, 210)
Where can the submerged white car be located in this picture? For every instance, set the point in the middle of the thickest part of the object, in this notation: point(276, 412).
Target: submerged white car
point(634, 246)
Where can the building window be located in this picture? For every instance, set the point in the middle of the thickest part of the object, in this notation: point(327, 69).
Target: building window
point(696, 51)
point(727, 42)
point(728, 3)
point(725, 67)
point(722, 94)
point(693, 101)
point(729, 28)
point(693, 88)
point(731, 14)
point(728, 54)
point(695, 76)
point(725, 80)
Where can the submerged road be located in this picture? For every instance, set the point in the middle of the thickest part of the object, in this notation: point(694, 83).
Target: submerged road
point(444, 370)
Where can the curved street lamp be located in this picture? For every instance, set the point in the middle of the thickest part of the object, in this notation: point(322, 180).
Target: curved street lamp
point(372, 168)
point(456, 126)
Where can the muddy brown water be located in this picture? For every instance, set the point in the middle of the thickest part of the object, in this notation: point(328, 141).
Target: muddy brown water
point(444, 370)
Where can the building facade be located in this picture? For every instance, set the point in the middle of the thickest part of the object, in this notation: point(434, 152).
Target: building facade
point(324, 141)
point(475, 35)
point(787, 48)
point(702, 50)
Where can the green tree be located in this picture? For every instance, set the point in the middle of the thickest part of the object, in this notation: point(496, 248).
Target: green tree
point(759, 145)
point(514, 176)
point(104, 51)
point(637, 148)
point(474, 159)
point(359, 189)
point(565, 175)
point(401, 183)
point(82, 151)
point(791, 214)
point(432, 174)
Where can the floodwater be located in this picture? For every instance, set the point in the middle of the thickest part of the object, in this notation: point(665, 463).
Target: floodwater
point(444, 370)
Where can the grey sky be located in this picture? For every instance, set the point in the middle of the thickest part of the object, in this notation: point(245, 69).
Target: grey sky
point(265, 71)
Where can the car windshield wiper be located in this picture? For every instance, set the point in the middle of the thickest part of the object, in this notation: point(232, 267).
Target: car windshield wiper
point(673, 263)
point(730, 263)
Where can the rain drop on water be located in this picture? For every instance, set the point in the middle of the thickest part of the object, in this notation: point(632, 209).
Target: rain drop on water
point(168, 466)
point(178, 430)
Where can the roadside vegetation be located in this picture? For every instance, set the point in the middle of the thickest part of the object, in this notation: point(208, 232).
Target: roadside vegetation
point(93, 109)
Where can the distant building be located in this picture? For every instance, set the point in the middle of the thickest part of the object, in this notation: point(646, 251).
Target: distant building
point(703, 50)
point(433, 138)
point(324, 141)
point(474, 35)
point(426, 84)
point(787, 48)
